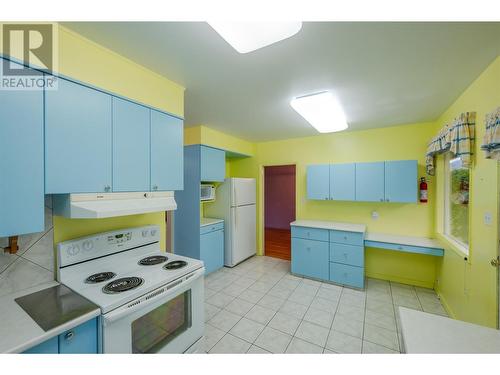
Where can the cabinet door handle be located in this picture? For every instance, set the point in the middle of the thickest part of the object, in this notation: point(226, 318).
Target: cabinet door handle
point(69, 335)
point(345, 237)
point(308, 248)
point(387, 199)
point(345, 255)
point(107, 188)
point(155, 187)
point(381, 199)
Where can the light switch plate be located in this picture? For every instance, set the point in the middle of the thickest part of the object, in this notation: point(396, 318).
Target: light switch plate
point(375, 215)
point(488, 219)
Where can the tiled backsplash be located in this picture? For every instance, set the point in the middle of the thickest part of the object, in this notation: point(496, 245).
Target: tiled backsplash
point(34, 262)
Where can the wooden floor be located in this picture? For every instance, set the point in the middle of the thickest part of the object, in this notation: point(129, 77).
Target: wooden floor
point(277, 243)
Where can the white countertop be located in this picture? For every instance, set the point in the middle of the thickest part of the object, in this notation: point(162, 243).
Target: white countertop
point(209, 221)
point(349, 227)
point(403, 240)
point(429, 333)
point(19, 332)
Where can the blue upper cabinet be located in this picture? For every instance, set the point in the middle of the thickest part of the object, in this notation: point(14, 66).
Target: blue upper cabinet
point(21, 162)
point(77, 139)
point(167, 152)
point(342, 182)
point(131, 137)
point(370, 182)
point(212, 164)
point(401, 181)
point(318, 182)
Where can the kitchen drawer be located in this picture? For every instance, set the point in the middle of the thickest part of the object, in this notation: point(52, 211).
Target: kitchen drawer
point(80, 340)
point(50, 346)
point(310, 233)
point(347, 254)
point(347, 275)
point(211, 227)
point(348, 238)
point(310, 258)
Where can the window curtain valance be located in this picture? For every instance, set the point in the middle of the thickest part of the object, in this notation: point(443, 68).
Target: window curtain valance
point(457, 137)
point(491, 141)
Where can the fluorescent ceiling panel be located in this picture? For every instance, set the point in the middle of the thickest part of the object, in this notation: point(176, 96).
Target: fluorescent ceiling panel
point(249, 36)
point(322, 111)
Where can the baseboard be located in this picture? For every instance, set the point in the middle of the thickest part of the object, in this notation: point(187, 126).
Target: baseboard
point(446, 306)
point(402, 280)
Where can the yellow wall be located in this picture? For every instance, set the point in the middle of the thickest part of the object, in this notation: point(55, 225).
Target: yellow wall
point(88, 62)
point(394, 143)
point(210, 137)
point(469, 289)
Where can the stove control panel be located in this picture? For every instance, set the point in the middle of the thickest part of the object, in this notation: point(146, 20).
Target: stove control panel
point(119, 238)
point(101, 244)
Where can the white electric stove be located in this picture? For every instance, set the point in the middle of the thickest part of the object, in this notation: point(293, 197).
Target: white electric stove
point(151, 301)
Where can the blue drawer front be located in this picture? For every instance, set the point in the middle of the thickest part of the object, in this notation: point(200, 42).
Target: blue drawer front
point(348, 238)
point(310, 233)
point(347, 254)
point(212, 227)
point(347, 275)
point(47, 347)
point(79, 340)
point(406, 248)
point(212, 250)
point(310, 258)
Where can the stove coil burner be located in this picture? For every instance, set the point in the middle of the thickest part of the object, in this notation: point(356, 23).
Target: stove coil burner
point(152, 260)
point(99, 277)
point(176, 264)
point(122, 285)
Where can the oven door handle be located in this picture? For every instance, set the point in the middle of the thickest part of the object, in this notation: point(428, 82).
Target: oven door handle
point(151, 297)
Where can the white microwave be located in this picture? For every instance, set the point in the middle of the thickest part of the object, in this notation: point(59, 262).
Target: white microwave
point(207, 192)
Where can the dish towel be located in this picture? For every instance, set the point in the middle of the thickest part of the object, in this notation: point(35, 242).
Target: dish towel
point(458, 138)
point(491, 141)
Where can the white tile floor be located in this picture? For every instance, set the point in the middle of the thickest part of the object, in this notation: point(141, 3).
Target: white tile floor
point(259, 307)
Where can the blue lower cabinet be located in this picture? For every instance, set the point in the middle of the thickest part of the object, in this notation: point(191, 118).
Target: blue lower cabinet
point(47, 347)
point(212, 250)
point(310, 258)
point(79, 340)
point(347, 275)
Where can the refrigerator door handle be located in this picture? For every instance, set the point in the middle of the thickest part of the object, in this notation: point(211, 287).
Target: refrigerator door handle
point(234, 195)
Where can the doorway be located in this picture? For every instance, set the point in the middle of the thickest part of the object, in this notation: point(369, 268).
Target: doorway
point(279, 210)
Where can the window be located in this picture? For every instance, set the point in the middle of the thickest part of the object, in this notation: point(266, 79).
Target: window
point(456, 202)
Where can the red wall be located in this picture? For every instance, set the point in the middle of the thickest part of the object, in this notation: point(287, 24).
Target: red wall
point(279, 196)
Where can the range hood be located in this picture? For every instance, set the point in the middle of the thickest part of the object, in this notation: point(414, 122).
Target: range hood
point(97, 205)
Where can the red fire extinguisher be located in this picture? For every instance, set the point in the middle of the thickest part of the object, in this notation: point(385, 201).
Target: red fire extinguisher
point(423, 190)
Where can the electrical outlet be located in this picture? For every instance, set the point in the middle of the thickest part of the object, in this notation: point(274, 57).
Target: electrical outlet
point(488, 218)
point(375, 215)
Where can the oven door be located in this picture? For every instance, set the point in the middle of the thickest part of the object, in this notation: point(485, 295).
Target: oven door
point(169, 319)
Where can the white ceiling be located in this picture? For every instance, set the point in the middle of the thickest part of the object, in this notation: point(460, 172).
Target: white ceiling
point(383, 74)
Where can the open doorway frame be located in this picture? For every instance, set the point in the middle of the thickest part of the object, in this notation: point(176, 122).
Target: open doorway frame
point(262, 201)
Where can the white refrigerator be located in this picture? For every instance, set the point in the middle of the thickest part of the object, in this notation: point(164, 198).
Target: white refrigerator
point(235, 202)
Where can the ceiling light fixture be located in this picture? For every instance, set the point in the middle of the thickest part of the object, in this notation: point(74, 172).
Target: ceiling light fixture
point(322, 111)
point(249, 36)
